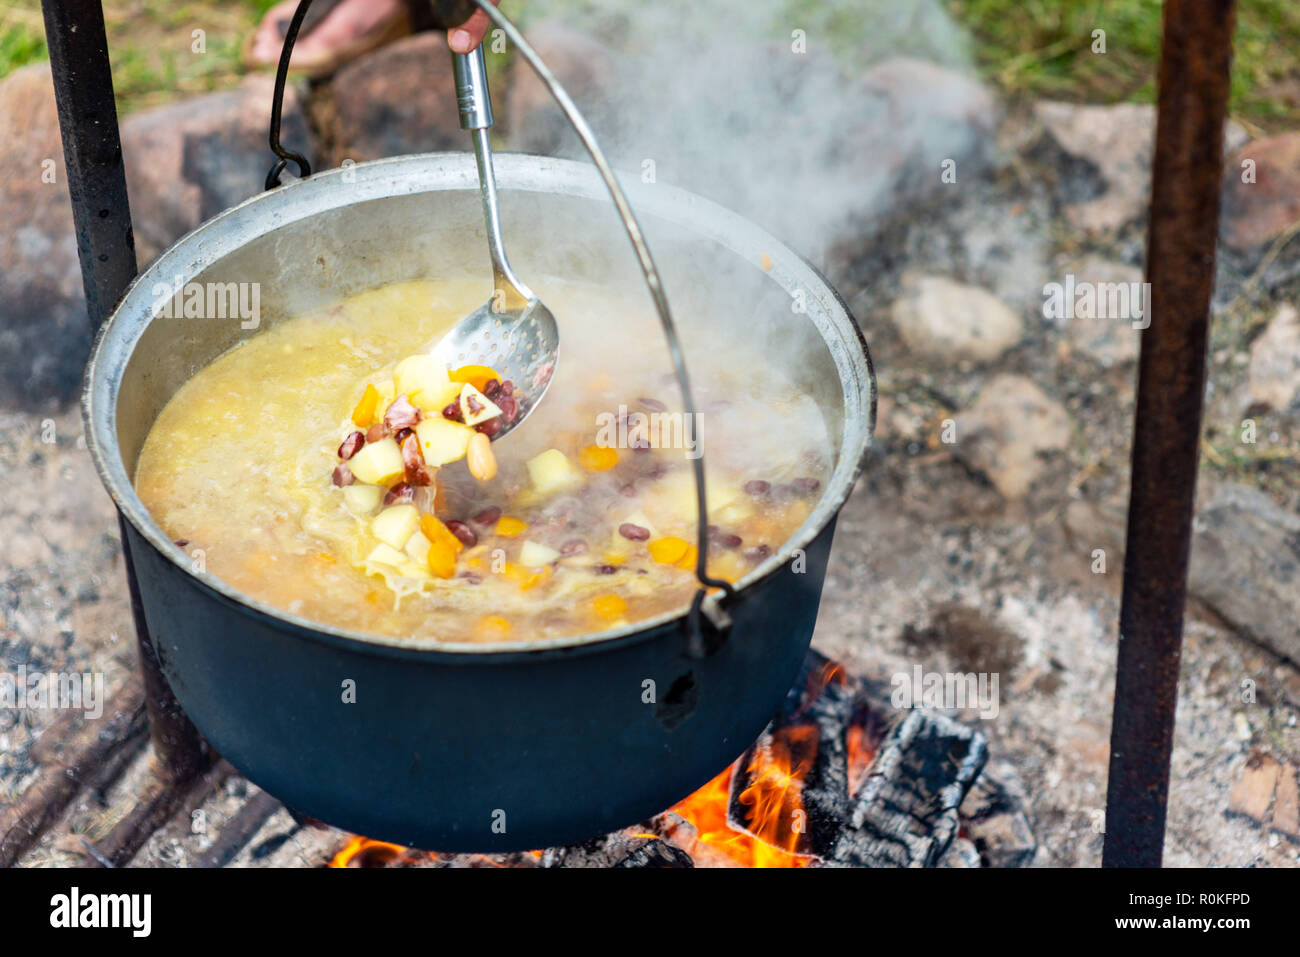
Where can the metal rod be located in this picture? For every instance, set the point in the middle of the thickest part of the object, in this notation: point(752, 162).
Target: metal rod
point(101, 214)
point(1186, 174)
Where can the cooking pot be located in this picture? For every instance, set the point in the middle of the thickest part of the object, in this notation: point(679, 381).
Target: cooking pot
point(477, 747)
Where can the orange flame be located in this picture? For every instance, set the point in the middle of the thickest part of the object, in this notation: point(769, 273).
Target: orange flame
point(363, 852)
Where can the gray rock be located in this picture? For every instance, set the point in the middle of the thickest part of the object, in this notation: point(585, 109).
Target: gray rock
point(1258, 211)
point(1246, 566)
point(947, 321)
point(394, 101)
point(1118, 141)
point(1008, 432)
point(1273, 378)
point(44, 331)
point(187, 161)
point(1107, 341)
point(584, 66)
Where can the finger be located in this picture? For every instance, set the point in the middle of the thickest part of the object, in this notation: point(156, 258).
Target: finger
point(470, 34)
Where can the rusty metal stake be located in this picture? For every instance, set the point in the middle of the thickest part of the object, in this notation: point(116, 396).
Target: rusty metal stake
point(1187, 170)
point(92, 151)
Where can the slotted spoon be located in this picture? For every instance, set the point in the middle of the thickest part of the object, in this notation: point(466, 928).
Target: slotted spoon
point(513, 332)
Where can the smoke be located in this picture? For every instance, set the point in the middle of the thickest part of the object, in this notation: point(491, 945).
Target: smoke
point(786, 112)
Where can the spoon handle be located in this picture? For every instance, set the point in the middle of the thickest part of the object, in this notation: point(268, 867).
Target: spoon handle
point(476, 115)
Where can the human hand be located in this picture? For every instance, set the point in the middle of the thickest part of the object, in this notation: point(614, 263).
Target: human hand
point(469, 34)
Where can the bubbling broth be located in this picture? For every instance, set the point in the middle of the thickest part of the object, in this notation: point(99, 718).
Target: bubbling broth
point(272, 468)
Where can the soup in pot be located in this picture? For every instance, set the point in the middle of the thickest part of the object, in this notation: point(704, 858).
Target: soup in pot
point(328, 466)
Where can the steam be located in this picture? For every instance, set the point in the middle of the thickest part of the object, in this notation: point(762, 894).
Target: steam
point(765, 106)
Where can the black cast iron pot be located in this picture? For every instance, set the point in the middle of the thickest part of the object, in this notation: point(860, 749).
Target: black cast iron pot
point(470, 747)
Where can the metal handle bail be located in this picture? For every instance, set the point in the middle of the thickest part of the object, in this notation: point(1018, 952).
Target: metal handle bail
point(709, 623)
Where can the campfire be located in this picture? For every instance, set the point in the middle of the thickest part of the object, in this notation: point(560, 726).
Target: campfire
point(837, 778)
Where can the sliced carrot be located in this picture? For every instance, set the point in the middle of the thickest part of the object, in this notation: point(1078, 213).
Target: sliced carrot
point(537, 578)
point(598, 458)
point(609, 607)
point(687, 561)
point(509, 527)
point(477, 376)
point(443, 546)
point(364, 413)
point(668, 550)
point(492, 626)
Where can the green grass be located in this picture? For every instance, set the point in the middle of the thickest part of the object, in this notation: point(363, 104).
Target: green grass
point(1026, 48)
point(1043, 48)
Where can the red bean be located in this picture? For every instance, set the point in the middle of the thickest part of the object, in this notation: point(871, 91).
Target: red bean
point(574, 546)
point(343, 475)
point(462, 531)
point(628, 490)
point(376, 432)
point(351, 445)
point(452, 411)
point(654, 405)
point(806, 485)
point(488, 516)
point(489, 428)
point(509, 407)
point(400, 493)
point(634, 533)
point(756, 487)
point(757, 553)
point(606, 569)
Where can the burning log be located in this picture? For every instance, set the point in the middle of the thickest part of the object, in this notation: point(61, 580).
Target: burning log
point(657, 854)
point(906, 813)
point(44, 801)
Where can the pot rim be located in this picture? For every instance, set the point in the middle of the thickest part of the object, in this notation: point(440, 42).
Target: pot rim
point(415, 174)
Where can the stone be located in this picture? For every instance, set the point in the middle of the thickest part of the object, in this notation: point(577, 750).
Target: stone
point(1118, 141)
point(1273, 377)
point(1246, 566)
point(188, 160)
point(948, 321)
point(1008, 432)
point(1110, 341)
point(45, 334)
point(586, 69)
point(1253, 793)
point(395, 101)
point(1286, 803)
point(1255, 213)
point(917, 116)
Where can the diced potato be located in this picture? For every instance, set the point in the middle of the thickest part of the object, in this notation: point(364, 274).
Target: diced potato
point(442, 440)
point(363, 499)
point(412, 570)
point(536, 554)
point(386, 555)
point(434, 401)
point(420, 373)
point(552, 473)
point(378, 463)
point(417, 546)
point(395, 525)
point(487, 409)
